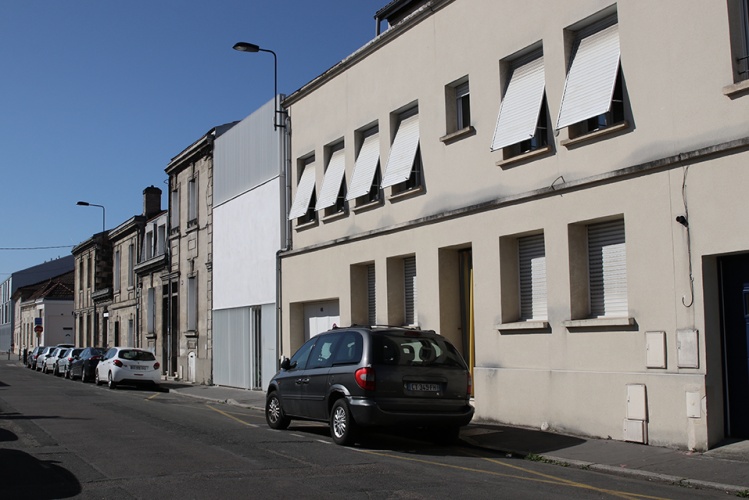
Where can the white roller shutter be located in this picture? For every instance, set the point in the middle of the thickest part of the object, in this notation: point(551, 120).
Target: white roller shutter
point(607, 269)
point(590, 82)
point(365, 167)
point(409, 275)
point(532, 271)
point(331, 184)
point(518, 113)
point(403, 153)
point(304, 191)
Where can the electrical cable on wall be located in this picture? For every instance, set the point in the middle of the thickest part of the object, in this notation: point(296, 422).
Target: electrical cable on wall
point(684, 221)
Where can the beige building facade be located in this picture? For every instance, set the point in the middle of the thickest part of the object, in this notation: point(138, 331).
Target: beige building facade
point(560, 194)
point(93, 290)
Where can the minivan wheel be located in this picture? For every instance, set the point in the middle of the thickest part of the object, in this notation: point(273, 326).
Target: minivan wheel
point(342, 426)
point(274, 414)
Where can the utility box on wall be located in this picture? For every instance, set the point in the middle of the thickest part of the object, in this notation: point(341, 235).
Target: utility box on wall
point(635, 425)
point(687, 348)
point(655, 345)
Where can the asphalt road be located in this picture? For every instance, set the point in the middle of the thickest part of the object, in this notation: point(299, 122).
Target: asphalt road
point(63, 439)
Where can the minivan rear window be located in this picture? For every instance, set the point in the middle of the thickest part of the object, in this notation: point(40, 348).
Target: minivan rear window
point(402, 350)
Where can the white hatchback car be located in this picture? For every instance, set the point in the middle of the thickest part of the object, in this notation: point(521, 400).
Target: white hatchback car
point(128, 366)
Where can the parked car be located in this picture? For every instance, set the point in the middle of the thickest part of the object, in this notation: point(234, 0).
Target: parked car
point(51, 359)
point(83, 366)
point(63, 362)
point(128, 366)
point(31, 359)
point(42, 357)
point(361, 377)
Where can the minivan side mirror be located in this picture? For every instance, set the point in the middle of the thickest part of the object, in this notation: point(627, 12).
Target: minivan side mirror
point(285, 363)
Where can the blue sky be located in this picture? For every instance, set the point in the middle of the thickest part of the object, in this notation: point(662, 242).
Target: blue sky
point(96, 96)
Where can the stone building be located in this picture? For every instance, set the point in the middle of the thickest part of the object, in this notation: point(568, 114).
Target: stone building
point(93, 290)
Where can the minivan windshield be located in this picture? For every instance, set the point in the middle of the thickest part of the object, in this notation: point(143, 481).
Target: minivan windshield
point(414, 349)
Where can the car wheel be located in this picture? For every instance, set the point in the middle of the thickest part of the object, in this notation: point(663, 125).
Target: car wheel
point(274, 414)
point(55, 372)
point(83, 375)
point(97, 380)
point(44, 368)
point(110, 383)
point(342, 425)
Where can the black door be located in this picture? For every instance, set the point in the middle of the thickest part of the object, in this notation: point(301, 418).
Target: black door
point(735, 300)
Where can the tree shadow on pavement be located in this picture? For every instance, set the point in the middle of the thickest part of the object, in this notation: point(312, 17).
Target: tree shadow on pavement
point(24, 476)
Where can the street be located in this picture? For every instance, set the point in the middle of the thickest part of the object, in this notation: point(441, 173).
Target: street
point(63, 439)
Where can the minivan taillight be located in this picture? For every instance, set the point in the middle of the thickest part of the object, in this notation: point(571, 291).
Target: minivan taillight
point(365, 378)
point(117, 363)
point(470, 385)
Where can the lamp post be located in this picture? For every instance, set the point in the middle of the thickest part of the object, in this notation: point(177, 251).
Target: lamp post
point(251, 47)
point(103, 212)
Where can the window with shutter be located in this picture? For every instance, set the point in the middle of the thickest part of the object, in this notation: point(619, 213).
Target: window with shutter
point(409, 274)
point(532, 274)
point(607, 269)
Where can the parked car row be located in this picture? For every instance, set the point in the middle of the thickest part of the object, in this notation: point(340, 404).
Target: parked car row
point(113, 366)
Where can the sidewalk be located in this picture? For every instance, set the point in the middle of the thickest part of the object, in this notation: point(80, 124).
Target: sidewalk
point(725, 468)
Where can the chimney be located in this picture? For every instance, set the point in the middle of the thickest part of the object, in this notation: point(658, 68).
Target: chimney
point(151, 201)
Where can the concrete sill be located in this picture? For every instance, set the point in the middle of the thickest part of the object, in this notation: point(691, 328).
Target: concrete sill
point(367, 206)
point(457, 135)
point(522, 326)
point(598, 322)
point(406, 194)
point(736, 89)
point(592, 136)
point(524, 157)
point(191, 333)
point(306, 225)
point(332, 217)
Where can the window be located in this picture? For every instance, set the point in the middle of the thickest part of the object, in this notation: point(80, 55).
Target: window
point(117, 270)
point(607, 269)
point(174, 206)
point(322, 354)
point(409, 290)
point(404, 170)
point(593, 96)
point(151, 311)
point(192, 201)
point(738, 12)
point(130, 262)
point(332, 195)
point(161, 240)
point(532, 274)
point(192, 303)
point(522, 123)
point(148, 246)
point(365, 180)
point(303, 207)
point(462, 106)
point(371, 297)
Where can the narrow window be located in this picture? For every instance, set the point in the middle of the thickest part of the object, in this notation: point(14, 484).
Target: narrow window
point(371, 298)
point(607, 269)
point(462, 106)
point(409, 290)
point(151, 311)
point(365, 180)
point(117, 270)
point(174, 206)
point(532, 274)
point(404, 168)
point(303, 207)
point(130, 263)
point(192, 303)
point(332, 195)
point(192, 201)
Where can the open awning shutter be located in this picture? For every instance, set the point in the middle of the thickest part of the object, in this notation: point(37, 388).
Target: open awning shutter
point(365, 167)
point(590, 82)
point(607, 268)
point(403, 153)
point(518, 113)
point(304, 192)
point(331, 184)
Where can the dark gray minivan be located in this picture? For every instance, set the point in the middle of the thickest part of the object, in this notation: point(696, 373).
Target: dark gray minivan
point(359, 377)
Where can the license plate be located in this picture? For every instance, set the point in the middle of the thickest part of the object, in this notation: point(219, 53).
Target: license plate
point(422, 387)
point(138, 367)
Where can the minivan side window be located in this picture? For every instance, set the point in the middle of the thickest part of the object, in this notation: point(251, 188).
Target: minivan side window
point(299, 359)
point(349, 349)
point(322, 353)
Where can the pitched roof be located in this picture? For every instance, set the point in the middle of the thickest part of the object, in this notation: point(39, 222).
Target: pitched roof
point(57, 288)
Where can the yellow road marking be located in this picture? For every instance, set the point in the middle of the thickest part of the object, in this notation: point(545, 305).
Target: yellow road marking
point(544, 478)
point(151, 397)
point(231, 416)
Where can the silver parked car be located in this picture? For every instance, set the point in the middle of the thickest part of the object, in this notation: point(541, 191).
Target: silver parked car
point(63, 362)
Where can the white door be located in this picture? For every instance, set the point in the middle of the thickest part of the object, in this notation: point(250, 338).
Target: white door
point(320, 317)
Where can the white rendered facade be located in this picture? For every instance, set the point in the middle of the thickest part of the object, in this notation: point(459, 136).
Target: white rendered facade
point(608, 320)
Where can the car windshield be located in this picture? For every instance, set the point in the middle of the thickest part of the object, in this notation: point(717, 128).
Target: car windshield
point(134, 355)
point(414, 349)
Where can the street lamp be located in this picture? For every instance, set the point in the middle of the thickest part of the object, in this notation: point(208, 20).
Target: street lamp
point(103, 212)
point(251, 47)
